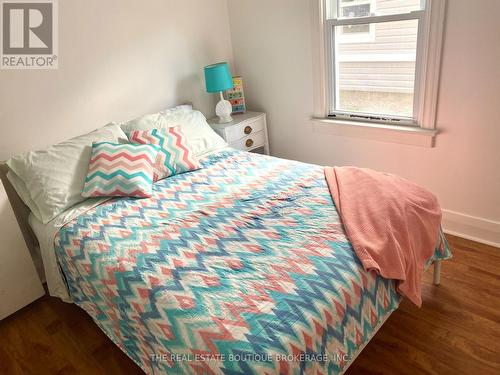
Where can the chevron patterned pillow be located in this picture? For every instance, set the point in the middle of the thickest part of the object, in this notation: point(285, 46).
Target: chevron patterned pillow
point(120, 170)
point(174, 157)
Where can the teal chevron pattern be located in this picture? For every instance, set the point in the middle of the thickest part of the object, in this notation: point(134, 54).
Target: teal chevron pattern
point(240, 267)
point(174, 156)
point(120, 170)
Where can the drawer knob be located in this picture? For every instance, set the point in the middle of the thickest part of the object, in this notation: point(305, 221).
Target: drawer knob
point(247, 130)
point(249, 142)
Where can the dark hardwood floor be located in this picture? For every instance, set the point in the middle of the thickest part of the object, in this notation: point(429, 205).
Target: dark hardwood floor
point(457, 331)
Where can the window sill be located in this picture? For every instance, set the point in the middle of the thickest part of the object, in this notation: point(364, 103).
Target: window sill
point(380, 132)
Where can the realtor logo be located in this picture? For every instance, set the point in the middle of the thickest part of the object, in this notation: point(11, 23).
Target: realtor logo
point(29, 39)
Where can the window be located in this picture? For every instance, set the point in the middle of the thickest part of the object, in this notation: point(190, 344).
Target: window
point(379, 57)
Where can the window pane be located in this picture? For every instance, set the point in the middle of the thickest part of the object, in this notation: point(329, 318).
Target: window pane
point(383, 7)
point(365, 8)
point(376, 70)
point(353, 9)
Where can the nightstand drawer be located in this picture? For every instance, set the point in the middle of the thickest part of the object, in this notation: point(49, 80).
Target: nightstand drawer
point(244, 129)
point(250, 142)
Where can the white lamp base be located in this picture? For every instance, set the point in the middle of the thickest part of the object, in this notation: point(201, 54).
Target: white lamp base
point(223, 110)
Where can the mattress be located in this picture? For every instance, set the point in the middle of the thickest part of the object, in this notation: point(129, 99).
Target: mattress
point(239, 267)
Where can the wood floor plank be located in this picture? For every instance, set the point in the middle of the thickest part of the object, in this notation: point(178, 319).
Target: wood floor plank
point(449, 346)
point(457, 331)
point(422, 362)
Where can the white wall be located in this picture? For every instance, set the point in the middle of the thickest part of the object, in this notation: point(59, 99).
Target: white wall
point(117, 59)
point(272, 44)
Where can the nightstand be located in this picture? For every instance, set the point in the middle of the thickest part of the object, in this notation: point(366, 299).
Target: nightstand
point(247, 131)
point(19, 281)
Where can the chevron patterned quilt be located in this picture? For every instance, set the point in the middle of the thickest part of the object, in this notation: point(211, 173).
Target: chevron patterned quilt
point(240, 267)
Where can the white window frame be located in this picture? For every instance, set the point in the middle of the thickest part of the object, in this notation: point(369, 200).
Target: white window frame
point(430, 35)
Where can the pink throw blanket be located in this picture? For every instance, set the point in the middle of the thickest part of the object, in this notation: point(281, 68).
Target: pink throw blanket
point(393, 224)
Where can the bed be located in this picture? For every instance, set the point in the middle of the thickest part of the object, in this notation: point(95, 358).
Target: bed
point(239, 267)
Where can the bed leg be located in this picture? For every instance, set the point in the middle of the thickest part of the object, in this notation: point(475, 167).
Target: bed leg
point(437, 272)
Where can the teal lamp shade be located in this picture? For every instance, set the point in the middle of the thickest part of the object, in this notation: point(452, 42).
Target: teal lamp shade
point(218, 77)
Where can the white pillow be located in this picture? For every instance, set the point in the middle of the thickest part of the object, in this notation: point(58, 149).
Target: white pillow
point(153, 120)
point(201, 137)
point(182, 107)
point(53, 178)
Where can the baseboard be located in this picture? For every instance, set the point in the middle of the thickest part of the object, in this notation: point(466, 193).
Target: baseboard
point(472, 227)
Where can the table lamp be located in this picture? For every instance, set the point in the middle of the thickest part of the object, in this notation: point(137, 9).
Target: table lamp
point(218, 79)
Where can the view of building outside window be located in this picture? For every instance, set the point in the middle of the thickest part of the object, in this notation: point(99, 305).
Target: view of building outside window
point(376, 62)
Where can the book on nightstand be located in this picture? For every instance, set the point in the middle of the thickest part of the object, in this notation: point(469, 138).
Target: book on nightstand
point(236, 96)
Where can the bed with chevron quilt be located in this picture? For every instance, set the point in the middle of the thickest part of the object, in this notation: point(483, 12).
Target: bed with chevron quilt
point(240, 267)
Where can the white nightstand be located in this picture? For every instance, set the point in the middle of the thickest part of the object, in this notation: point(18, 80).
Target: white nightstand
point(19, 282)
point(247, 131)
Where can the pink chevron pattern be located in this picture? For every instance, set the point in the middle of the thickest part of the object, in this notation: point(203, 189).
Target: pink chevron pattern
point(120, 170)
point(174, 157)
